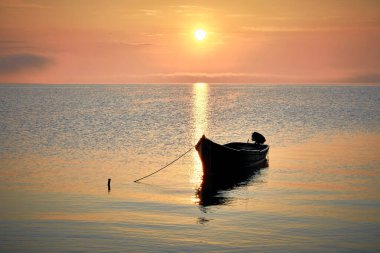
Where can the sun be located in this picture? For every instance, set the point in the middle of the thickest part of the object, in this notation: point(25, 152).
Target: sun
point(200, 34)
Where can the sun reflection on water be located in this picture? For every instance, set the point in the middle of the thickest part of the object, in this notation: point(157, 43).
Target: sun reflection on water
point(200, 113)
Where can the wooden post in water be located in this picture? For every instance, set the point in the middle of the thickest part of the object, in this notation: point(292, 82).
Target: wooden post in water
point(109, 184)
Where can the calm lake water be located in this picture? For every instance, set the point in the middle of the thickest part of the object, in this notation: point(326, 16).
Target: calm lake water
point(60, 143)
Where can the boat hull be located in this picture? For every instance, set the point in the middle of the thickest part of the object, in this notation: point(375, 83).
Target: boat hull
point(222, 160)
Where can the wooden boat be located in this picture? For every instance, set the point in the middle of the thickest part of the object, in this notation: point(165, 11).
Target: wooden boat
point(231, 158)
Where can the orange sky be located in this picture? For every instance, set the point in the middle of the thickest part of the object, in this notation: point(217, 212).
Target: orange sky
point(139, 41)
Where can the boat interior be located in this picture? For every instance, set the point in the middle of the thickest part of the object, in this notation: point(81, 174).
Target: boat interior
point(245, 146)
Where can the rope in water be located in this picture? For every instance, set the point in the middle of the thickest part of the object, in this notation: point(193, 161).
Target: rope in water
point(167, 165)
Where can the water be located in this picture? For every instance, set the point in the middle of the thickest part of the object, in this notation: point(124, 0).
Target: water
point(60, 143)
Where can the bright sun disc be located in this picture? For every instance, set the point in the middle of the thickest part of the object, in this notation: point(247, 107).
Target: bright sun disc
point(200, 34)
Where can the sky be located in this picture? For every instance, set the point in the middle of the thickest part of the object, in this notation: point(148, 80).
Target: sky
point(140, 41)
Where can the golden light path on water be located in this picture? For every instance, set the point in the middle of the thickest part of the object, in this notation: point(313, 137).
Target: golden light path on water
point(200, 113)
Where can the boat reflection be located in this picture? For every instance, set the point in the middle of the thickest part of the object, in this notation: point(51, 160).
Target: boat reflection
point(213, 190)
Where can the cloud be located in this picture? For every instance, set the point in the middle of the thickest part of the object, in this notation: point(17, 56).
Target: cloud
point(7, 46)
point(22, 4)
point(312, 24)
point(150, 12)
point(194, 7)
point(11, 41)
point(274, 29)
point(20, 62)
point(200, 74)
point(137, 44)
point(364, 78)
point(218, 77)
point(128, 43)
point(254, 77)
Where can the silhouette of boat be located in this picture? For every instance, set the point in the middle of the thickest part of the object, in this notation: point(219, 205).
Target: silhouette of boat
point(232, 158)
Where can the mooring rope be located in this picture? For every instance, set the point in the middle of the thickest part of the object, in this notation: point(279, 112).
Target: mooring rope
point(167, 165)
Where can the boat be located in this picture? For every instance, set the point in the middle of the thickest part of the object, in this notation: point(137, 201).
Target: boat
point(231, 158)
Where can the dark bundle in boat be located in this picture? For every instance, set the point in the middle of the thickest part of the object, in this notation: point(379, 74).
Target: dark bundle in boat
point(232, 158)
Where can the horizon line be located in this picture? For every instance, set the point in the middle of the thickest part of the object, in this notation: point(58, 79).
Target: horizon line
point(191, 83)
